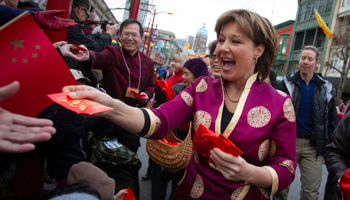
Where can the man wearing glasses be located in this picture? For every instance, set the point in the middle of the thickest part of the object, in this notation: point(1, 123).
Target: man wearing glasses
point(124, 68)
point(96, 42)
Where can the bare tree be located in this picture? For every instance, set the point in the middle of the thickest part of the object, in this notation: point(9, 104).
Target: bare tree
point(341, 49)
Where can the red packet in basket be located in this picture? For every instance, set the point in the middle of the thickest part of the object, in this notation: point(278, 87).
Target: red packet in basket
point(80, 106)
point(205, 140)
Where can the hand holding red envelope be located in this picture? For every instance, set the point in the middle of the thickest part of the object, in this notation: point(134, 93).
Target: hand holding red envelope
point(129, 195)
point(80, 106)
point(205, 140)
point(140, 96)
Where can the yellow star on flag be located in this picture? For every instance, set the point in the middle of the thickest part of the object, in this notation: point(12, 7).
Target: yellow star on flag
point(17, 43)
point(14, 60)
point(37, 47)
point(34, 55)
point(25, 60)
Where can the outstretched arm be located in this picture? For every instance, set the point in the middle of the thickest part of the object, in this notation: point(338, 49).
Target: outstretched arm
point(125, 116)
point(18, 132)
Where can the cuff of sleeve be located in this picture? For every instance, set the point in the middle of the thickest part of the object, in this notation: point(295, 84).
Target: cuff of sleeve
point(153, 123)
point(274, 176)
point(145, 129)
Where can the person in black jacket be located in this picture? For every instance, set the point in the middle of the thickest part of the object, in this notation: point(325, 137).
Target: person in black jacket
point(314, 102)
point(97, 42)
point(69, 145)
point(337, 157)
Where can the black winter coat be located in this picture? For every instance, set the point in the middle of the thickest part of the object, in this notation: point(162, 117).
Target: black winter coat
point(337, 157)
point(325, 116)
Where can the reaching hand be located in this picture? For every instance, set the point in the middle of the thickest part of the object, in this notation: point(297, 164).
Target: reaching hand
point(112, 29)
point(47, 20)
point(71, 51)
point(18, 132)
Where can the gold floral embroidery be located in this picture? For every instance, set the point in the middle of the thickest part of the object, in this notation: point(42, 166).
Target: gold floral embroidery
point(283, 94)
point(288, 110)
point(288, 164)
point(272, 148)
point(197, 188)
point(196, 157)
point(264, 150)
point(258, 117)
point(201, 117)
point(187, 98)
point(202, 86)
point(240, 193)
point(236, 193)
point(265, 192)
point(183, 177)
point(158, 123)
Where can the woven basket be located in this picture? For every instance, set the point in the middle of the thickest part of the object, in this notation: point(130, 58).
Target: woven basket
point(171, 156)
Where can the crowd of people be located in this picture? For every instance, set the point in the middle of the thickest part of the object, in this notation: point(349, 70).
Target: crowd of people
point(232, 91)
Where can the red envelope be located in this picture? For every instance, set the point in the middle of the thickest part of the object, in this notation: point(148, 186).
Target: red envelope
point(205, 140)
point(345, 185)
point(80, 106)
point(140, 96)
point(129, 195)
point(79, 48)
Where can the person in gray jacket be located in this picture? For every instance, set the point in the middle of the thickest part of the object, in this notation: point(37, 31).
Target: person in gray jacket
point(314, 102)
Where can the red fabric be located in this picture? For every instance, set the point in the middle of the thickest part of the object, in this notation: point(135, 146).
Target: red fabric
point(205, 140)
point(166, 88)
point(175, 79)
point(129, 195)
point(345, 185)
point(30, 58)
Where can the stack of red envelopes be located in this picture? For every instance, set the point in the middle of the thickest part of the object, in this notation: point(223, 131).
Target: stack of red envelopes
point(80, 106)
point(205, 140)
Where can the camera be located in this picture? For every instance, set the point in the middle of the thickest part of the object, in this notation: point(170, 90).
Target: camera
point(104, 23)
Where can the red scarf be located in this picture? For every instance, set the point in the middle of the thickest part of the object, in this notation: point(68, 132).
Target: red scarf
point(177, 78)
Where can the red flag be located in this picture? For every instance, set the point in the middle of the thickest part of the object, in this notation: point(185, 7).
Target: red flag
point(29, 57)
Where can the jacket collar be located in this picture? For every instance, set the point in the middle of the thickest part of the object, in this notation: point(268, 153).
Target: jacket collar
point(296, 76)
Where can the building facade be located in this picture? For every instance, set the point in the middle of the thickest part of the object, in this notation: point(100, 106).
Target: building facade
point(308, 32)
point(190, 39)
point(284, 32)
point(200, 42)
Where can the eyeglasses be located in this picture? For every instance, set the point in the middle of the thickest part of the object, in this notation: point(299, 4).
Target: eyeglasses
point(212, 56)
point(87, 15)
point(132, 35)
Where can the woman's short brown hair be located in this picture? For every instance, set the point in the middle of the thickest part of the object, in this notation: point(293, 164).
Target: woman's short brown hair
point(259, 30)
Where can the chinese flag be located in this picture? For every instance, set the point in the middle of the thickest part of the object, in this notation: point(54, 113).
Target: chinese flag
point(29, 57)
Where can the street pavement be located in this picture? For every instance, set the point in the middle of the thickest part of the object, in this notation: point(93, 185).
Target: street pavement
point(145, 186)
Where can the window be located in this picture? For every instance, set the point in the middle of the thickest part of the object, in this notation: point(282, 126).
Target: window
point(302, 13)
point(320, 38)
point(315, 6)
point(309, 39)
point(329, 6)
point(282, 47)
point(308, 11)
point(321, 7)
point(299, 41)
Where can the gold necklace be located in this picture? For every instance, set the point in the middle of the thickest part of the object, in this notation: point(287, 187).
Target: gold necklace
point(233, 101)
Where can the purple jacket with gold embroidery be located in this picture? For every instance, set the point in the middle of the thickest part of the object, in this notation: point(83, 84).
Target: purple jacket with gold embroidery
point(263, 127)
